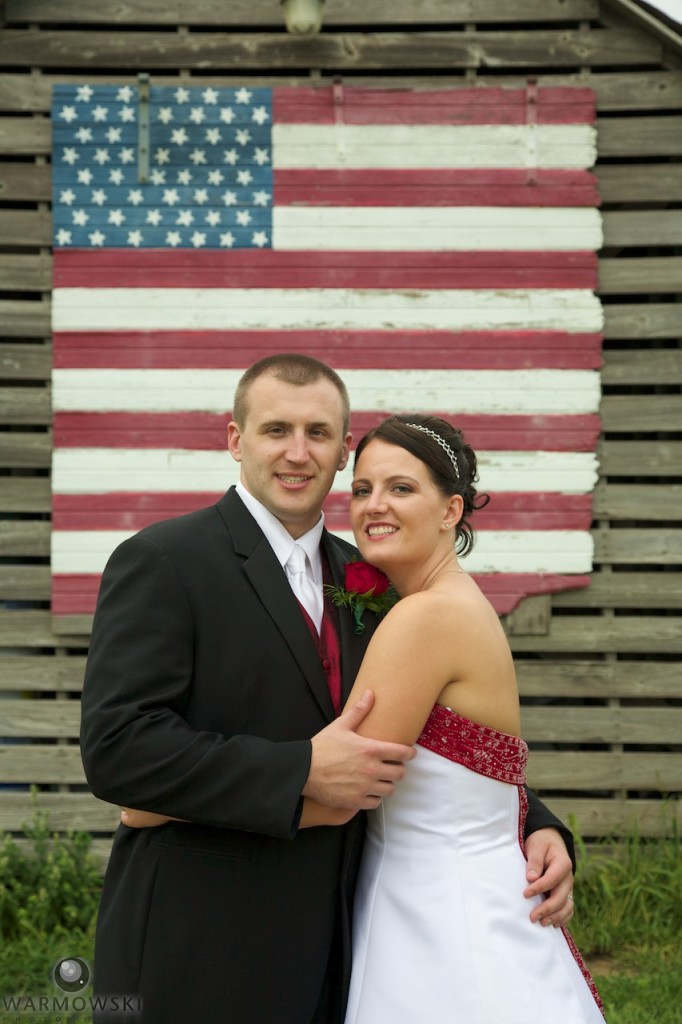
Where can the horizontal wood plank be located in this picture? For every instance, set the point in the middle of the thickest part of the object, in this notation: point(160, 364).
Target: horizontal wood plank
point(24, 583)
point(571, 725)
point(239, 13)
point(639, 136)
point(637, 183)
point(645, 502)
point(25, 362)
point(24, 181)
point(642, 227)
point(30, 228)
point(581, 769)
point(626, 590)
point(629, 413)
point(642, 366)
point(649, 320)
point(656, 546)
point(640, 458)
point(395, 50)
point(68, 812)
point(25, 405)
point(25, 319)
point(24, 136)
point(41, 673)
point(33, 629)
point(25, 450)
point(25, 494)
point(26, 538)
point(25, 272)
point(640, 276)
point(603, 634)
point(579, 678)
point(597, 817)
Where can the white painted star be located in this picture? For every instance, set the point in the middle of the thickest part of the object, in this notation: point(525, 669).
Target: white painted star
point(116, 217)
point(213, 218)
point(259, 115)
point(182, 95)
point(113, 134)
point(84, 93)
point(170, 196)
point(165, 115)
point(127, 156)
point(173, 238)
point(243, 218)
point(98, 197)
point(227, 115)
point(68, 114)
point(124, 94)
point(213, 136)
point(197, 115)
point(215, 177)
point(100, 113)
point(259, 238)
point(197, 156)
point(184, 176)
point(67, 196)
point(63, 237)
point(157, 177)
point(244, 177)
point(209, 96)
point(261, 156)
point(96, 237)
point(84, 176)
point(101, 156)
point(116, 176)
point(135, 196)
point(135, 238)
point(84, 135)
point(198, 239)
point(154, 217)
point(227, 240)
point(70, 156)
point(179, 136)
point(200, 196)
point(243, 135)
point(162, 156)
point(127, 114)
point(80, 218)
point(185, 218)
point(230, 156)
point(230, 198)
point(243, 96)
point(261, 198)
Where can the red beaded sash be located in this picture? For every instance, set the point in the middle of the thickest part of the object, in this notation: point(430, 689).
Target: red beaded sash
point(487, 751)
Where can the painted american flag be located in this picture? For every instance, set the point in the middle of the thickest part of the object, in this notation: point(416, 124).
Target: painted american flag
point(438, 248)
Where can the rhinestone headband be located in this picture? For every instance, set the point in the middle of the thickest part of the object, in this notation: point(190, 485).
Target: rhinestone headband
point(439, 440)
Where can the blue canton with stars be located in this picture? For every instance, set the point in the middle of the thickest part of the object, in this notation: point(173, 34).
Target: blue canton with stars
point(210, 168)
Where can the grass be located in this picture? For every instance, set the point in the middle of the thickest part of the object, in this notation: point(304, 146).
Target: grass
point(627, 923)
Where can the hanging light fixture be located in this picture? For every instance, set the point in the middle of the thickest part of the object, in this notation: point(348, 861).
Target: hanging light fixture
point(303, 17)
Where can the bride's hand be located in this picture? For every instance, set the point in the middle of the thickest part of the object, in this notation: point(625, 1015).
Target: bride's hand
point(144, 819)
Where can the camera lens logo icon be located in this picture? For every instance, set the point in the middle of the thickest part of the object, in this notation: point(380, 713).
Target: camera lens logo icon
point(71, 974)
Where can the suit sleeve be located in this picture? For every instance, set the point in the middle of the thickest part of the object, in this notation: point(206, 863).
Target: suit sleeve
point(138, 750)
point(540, 816)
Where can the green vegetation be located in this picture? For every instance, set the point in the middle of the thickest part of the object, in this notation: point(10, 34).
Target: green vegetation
point(627, 923)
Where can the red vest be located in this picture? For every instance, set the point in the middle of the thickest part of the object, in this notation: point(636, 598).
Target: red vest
point(327, 642)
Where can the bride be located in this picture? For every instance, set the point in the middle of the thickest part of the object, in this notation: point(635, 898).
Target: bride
point(441, 927)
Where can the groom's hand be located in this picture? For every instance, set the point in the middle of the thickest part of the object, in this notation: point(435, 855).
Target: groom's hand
point(549, 871)
point(351, 771)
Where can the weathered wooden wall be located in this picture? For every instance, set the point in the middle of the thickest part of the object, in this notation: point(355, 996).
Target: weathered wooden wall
point(599, 669)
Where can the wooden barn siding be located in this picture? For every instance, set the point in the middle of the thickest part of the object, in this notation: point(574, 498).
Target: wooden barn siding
point(599, 669)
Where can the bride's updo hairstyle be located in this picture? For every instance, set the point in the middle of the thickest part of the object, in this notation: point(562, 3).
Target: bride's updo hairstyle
point(421, 436)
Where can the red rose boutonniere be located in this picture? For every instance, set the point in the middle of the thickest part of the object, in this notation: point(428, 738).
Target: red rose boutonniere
point(366, 588)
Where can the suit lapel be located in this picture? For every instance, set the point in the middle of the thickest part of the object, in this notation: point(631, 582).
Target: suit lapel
point(269, 581)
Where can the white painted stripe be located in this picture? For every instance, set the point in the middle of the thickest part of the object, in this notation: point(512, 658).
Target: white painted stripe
point(511, 392)
point(101, 470)
point(569, 146)
point(218, 309)
point(560, 551)
point(450, 229)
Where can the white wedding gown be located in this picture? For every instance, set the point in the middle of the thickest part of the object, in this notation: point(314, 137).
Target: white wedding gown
point(441, 928)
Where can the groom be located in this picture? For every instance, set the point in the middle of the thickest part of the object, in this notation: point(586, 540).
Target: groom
point(211, 695)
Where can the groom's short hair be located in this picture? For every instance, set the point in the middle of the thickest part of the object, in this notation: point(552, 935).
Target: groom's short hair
point(291, 368)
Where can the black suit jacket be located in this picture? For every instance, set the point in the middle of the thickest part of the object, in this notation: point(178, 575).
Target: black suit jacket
point(202, 690)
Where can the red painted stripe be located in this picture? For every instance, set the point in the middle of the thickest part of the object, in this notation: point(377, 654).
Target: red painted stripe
point(206, 431)
point(345, 350)
point(269, 268)
point(356, 105)
point(121, 511)
point(389, 187)
point(77, 594)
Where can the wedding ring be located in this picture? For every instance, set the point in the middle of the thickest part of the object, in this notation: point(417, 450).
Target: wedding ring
point(570, 897)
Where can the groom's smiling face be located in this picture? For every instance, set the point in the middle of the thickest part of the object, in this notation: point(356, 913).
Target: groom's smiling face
point(290, 446)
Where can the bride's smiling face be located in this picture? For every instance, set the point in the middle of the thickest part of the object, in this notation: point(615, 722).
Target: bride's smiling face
point(399, 516)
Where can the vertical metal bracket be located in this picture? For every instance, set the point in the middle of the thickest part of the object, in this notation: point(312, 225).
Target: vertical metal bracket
point(143, 90)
